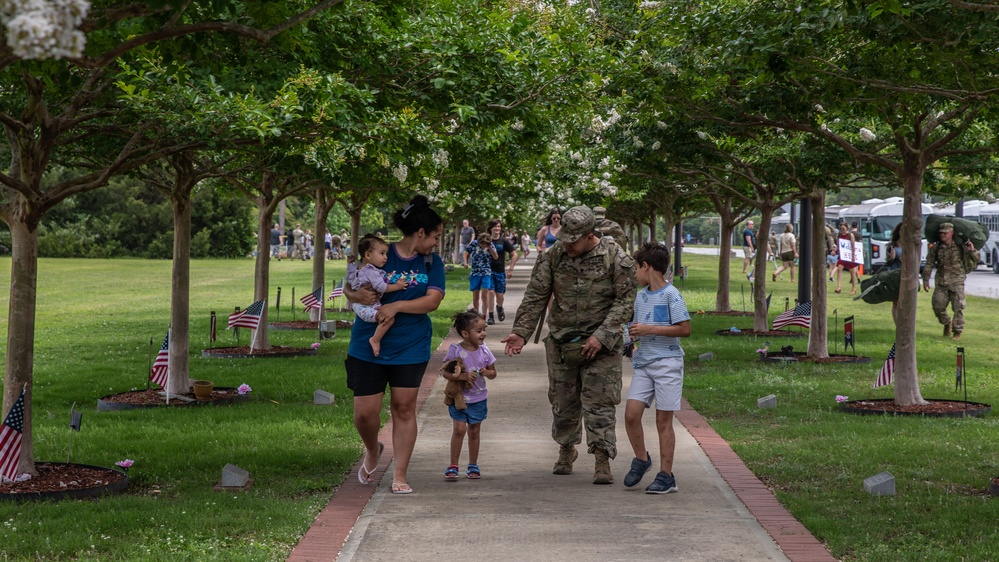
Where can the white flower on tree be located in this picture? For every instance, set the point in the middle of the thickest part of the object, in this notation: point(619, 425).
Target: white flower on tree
point(867, 135)
point(45, 29)
point(400, 172)
point(442, 158)
point(517, 125)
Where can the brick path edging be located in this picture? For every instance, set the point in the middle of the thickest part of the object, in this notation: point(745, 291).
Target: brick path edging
point(791, 536)
point(328, 533)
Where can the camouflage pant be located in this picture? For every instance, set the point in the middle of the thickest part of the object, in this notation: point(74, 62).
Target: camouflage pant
point(589, 393)
point(954, 296)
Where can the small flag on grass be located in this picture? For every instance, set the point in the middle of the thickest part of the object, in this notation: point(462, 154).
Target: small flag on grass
point(314, 299)
point(800, 315)
point(248, 318)
point(337, 291)
point(848, 334)
point(887, 370)
point(161, 366)
point(10, 439)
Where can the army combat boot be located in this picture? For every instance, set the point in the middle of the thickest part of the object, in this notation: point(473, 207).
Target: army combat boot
point(947, 330)
point(602, 470)
point(567, 454)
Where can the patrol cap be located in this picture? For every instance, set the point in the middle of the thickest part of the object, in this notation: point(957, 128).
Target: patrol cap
point(946, 227)
point(576, 223)
point(599, 213)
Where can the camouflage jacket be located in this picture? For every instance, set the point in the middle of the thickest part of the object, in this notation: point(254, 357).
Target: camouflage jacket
point(607, 227)
point(952, 263)
point(594, 293)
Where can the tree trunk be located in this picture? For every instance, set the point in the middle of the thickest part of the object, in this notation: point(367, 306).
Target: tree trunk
point(906, 378)
point(21, 330)
point(180, 292)
point(723, 301)
point(761, 320)
point(652, 227)
point(323, 205)
point(261, 268)
point(818, 334)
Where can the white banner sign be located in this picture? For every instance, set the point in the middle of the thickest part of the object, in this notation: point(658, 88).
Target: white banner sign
point(846, 251)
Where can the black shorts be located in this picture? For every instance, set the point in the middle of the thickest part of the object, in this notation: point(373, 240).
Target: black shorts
point(366, 378)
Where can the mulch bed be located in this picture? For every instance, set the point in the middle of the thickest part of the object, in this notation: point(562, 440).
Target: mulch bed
point(932, 408)
point(724, 313)
point(274, 351)
point(309, 325)
point(802, 357)
point(60, 477)
point(152, 397)
point(763, 333)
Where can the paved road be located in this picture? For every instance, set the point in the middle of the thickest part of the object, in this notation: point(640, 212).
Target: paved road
point(981, 282)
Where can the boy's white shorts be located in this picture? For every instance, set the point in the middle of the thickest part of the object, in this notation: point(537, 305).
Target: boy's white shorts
point(661, 380)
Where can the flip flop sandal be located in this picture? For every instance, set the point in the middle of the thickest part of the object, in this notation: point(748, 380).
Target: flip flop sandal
point(401, 488)
point(473, 472)
point(451, 474)
point(363, 474)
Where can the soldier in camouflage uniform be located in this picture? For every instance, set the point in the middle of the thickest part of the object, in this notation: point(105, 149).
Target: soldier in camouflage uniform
point(607, 227)
point(592, 281)
point(952, 261)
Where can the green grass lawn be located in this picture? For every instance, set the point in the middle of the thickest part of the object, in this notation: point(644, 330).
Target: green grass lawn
point(96, 317)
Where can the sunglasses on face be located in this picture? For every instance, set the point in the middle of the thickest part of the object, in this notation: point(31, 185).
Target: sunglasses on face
point(556, 218)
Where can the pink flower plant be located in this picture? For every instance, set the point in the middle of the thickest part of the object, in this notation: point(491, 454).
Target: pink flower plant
point(315, 345)
point(841, 398)
point(125, 464)
point(244, 388)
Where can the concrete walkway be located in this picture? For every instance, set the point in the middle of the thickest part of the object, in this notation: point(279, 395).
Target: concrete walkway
point(519, 510)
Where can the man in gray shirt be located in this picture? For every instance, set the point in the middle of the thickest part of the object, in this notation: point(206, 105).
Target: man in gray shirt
point(467, 234)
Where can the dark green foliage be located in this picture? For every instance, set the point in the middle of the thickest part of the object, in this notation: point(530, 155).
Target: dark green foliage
point(127, 219)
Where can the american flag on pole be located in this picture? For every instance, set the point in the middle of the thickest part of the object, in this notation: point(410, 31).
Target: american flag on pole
point(337, 291)
point(314, 299)
point(768, 300)
point(800, 315)
point(247, 318)
point(213, 331)
point(887, 370)
point(10, 439)
point(161, 366)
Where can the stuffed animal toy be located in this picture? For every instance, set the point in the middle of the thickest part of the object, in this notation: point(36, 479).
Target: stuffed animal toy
point(452, 390)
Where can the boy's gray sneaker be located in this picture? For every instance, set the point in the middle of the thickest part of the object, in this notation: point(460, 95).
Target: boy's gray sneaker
point(663, 484)
point(638, 470)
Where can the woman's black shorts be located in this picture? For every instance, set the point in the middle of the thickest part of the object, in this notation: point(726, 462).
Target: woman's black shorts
point(366, 378)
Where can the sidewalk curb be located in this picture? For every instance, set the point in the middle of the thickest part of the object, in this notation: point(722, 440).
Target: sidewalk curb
point(790, 535)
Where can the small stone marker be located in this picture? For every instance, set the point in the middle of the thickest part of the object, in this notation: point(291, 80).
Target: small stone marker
point(233, 477)
point(769, 401)
point(882, 484)
point(323, 398)
point(706, 356)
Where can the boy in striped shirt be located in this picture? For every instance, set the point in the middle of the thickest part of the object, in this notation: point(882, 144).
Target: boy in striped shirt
point(660, 320)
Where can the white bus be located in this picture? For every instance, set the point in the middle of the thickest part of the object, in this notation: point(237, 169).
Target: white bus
point(988, 216)
point(876, 218)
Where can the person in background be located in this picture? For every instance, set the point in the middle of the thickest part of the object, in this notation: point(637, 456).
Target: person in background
point(276, 242)
point(480, 254)
point(841, 264)
point(953, 262)
point(748, 248)
point(466, 236)
point(498, 264)
point(549, 232)
point(525, 244)
point(788, 252)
